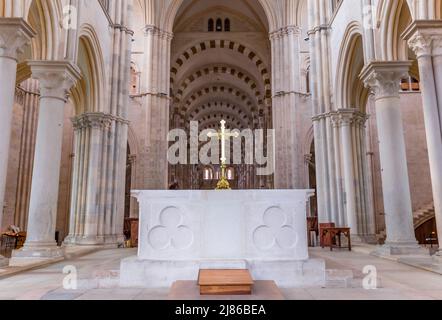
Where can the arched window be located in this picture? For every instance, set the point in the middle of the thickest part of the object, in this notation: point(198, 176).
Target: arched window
point(415, 85)
point(227, 25)
point(230, 174)
point(211, 26)
point(219, 25)
point(208, 174)
point(410, 84)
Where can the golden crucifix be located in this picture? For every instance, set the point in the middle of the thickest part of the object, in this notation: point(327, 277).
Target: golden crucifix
point(223, 183)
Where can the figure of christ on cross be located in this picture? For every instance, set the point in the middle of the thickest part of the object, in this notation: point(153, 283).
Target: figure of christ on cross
point(223, 136)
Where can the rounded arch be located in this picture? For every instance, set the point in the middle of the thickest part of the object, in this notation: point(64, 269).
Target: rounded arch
point(242, 99)
point(89, 92)
point(168, 16)
point(352, 92)
point(44, 17)
point(203, 46)
point(232, 71)
point(393, 18)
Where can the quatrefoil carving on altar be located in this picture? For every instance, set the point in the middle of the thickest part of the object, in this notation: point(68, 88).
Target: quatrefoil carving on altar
point(275, 231)
point(171, 232)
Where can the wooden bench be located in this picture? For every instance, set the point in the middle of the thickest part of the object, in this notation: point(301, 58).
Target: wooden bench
point(225, 282)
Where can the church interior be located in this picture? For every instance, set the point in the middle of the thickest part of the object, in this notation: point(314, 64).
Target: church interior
point(351, 92)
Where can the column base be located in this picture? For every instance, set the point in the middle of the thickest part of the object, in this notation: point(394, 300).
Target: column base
point(33, 253)
point(399, 249)
point(153, 274)
point(370, 239)
point(4, 262)
point(92, 241)
point(356, 238)
point(438, 257)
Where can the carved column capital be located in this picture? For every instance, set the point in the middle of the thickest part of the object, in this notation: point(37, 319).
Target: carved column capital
point(15, 35)
point(424, 37)
point(285, 31)
point(56, 77)
point(384, 77)
point(347, 117)
point(151, 30)
point(94, 120)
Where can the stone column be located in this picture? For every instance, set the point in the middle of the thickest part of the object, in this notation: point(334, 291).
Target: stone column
point(56, 78)
point(339, 218)
point(345, 122)
point(286, 97)
point(30, 101)
point(425, 39)
point(327, 182)
point(15, 34)
point(384, 79)
point(87, 208)
point(351, 123)
point(156, 101)
point(134, 211)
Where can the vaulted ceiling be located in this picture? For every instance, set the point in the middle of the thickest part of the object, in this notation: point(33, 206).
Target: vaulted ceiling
point(220, 67)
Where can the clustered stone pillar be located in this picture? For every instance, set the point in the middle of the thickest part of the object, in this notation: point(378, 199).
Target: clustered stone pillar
point(100, 148)
point(156, 99)
point(350, 125)
point(384, 79)
point(93, 219)
point(56, 79)
point(286, 94)
point(87, 221)
point(328, 184)
point(15, 34)
point(30, 100)
point(425, 38)
point(346, 120)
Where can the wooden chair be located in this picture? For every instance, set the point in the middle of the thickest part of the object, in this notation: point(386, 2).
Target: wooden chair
point(327, 240)
point(21, 239)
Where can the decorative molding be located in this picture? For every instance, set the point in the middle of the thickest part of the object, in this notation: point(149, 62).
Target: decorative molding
point(424, 37)
point(348, 117)
point(343, 115)
point(56, 77)
point(384, 78)
point(97, 120)
point(285, 31)
point(15, 35)
point(151, 30)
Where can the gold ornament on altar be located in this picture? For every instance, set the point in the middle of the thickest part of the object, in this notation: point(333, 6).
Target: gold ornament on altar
point(223, 183)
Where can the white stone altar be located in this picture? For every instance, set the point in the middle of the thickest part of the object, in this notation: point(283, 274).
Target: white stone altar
point(182, 232)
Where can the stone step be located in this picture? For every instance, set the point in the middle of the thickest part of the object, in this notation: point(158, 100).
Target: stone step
point(102, 279)
point(338, 278)
point(345, 279)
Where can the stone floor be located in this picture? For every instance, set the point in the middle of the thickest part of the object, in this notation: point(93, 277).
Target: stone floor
point(98, 279)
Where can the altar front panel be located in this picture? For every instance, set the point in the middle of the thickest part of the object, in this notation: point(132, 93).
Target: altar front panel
point(223, 225)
